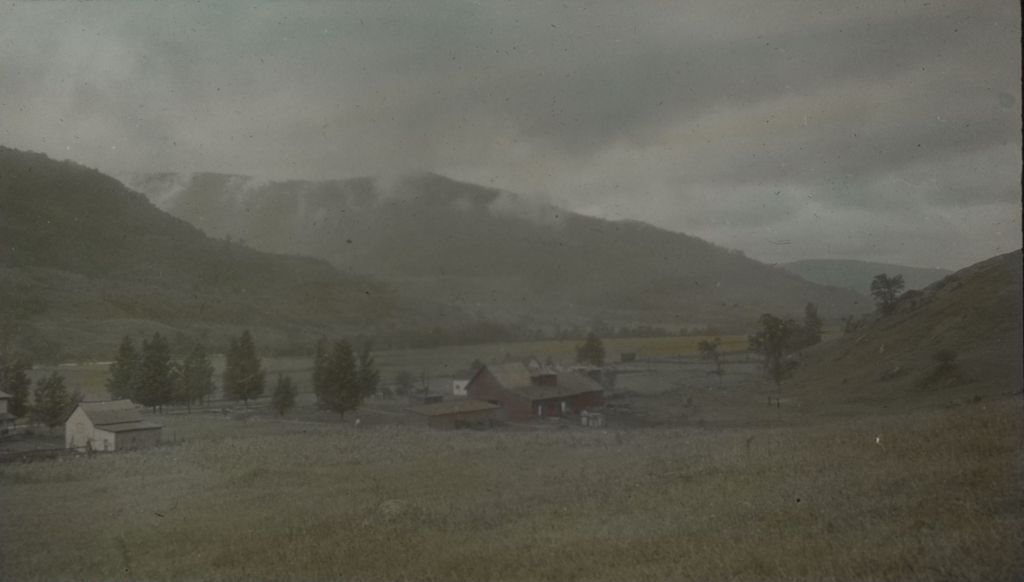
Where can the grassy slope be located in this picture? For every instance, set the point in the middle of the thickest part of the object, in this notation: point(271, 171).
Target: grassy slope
point(941, 499)
point(975, 312)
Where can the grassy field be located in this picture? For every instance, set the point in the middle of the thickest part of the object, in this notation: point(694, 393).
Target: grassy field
point(940, 498)
point(435, 362)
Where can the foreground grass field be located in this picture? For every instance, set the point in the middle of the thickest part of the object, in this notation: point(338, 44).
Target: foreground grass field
point(930, 495)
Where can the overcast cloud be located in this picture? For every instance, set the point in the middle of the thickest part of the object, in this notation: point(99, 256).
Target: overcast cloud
point(879, 130)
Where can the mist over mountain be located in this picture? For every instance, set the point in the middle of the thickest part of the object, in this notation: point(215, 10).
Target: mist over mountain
point(857, 275)
point(84, 259)
point(492, 253)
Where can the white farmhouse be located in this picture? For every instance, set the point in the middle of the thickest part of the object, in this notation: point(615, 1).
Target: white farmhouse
point(114, 425)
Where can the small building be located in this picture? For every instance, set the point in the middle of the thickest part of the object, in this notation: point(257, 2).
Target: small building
point(459, 382)
point(6, 418)
point(457, 414)
point(114, 425)
point(524, 394)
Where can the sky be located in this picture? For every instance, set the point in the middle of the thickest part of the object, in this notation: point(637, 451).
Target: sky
point(884, 130)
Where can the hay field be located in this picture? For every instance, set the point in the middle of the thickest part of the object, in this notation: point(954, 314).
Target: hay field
point(939, 499)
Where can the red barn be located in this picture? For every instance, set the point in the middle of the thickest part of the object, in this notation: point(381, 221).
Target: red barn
point(523, 393)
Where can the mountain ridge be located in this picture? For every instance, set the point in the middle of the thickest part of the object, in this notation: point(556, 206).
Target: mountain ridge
point(493, 252)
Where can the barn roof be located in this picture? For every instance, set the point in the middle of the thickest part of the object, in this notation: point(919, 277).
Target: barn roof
point(129, 426)
point(512, 375)
point(453, 407)
point(111, 412)
point(569, 384)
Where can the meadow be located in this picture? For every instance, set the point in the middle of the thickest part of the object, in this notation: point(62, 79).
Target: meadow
point(927, 495)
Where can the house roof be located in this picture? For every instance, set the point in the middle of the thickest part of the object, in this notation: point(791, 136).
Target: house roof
point(129, 426)
point(569, 384)
point(512, 375)
point(453, 407)
point(5, 396)
point(111, 412)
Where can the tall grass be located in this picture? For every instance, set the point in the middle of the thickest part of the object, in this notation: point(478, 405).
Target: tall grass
point(938, 499)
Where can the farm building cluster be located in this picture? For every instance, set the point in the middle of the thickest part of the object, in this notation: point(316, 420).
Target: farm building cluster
point(516, 392)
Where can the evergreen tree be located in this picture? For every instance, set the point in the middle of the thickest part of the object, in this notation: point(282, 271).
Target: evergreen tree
point(367, 375)
point(52, 403)
point(320, 369)
point(156, 374)
point(284, 395)
point(195, 378)
point(244, 377)
point(15, 382)
point(592, 350)
point(342, 391)
point(124, 372)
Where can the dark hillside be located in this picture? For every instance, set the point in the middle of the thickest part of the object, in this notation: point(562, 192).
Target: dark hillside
point(492, 253)
point(79, 246)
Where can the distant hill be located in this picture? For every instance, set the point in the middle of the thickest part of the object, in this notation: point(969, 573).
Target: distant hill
point(486, 253)
point(84, 259)
point(857, 275)
point(974, 314)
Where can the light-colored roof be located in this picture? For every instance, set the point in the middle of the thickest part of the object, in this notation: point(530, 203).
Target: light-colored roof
point(111, 412)
point(5, 396)
point(453, 407)
point(512, 375)
point(129, 426)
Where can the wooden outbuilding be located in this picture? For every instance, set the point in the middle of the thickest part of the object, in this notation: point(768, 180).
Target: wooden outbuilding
point(113, 425)
point(457, 414)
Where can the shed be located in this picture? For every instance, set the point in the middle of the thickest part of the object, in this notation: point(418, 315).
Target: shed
point(113, 425)
point(457, 414)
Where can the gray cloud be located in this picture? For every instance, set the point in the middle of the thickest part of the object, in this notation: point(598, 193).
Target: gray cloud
point(875, 130)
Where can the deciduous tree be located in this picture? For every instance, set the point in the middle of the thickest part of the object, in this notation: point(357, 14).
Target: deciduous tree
point(15, 382)
point(51, 401)
point(886, 290)
point(709, 351)
point(774, 342)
